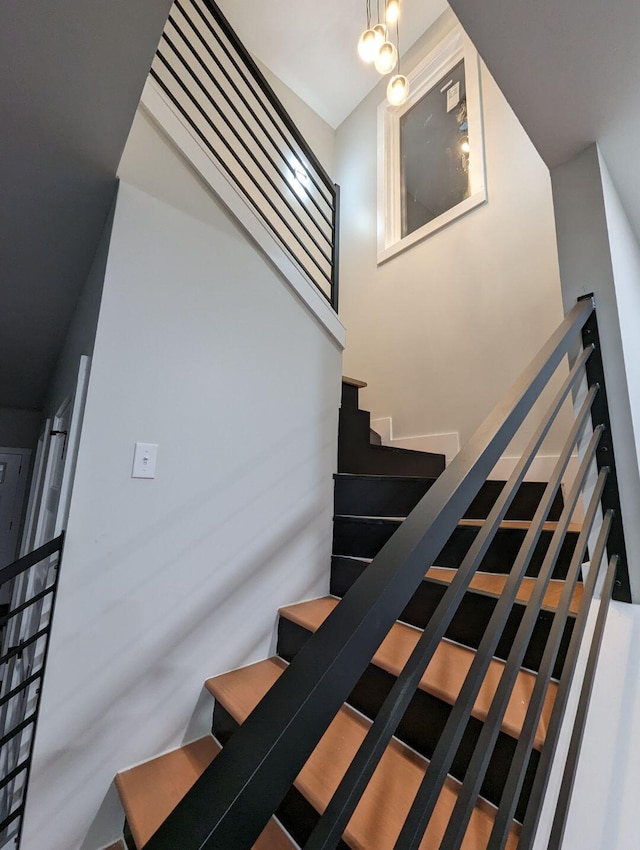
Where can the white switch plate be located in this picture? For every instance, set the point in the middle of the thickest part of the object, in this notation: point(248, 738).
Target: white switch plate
point(144, 460)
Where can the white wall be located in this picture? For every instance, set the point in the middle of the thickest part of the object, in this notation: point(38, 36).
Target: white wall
point(598, 254)
point(441, 331)
point(202, 348)
point(625, 261)
point(604, 810)
point(320, 135)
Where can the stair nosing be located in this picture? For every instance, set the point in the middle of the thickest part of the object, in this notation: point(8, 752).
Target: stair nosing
point(381, 477)
point(401, 747)
point(440, 693)
point(468, 522)
point(132, 814)
point(479, 591)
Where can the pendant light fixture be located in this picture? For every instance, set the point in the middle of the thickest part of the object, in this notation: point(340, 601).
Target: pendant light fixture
point(382, 31)
point(376, 46)
point(371, 39)
point(392, 11)
point(387, 58)
point(398, 88)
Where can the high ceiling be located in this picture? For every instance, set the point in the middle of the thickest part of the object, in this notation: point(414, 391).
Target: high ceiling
point(571, 73)
point(311, 46)
point(570, 70)
point(72, 74)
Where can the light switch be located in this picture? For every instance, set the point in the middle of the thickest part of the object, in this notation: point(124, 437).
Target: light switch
point(144, 460)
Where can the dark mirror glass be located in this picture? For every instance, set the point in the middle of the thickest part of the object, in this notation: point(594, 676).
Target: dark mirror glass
point(434, 152)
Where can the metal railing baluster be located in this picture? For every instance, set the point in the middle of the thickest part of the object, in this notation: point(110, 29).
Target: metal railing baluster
point(213, 83)
point(440, 764)
point(195, 76)
point(543, 771)
point(18, 695)
point(250, 111)
point(239, 160)
point(491, 727)
point(233, 800)
point(515, 777)
point(268, 96)
point(568, 778)
point(343, 803)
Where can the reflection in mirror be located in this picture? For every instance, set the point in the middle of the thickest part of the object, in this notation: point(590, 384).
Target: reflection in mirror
point(434, 152)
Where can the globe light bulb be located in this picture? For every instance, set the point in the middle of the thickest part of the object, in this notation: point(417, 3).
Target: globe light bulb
point(465, 147)
point(392, 11)
point(382, 33)
point(369, 45)
point(398, 90)
point(387, 58)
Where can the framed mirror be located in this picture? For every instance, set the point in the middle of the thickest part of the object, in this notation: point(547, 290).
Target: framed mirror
point(431, 149)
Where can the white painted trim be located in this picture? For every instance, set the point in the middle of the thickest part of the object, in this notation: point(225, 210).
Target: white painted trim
point(431, 227)
point(540, 470)
point(73, 439)
point(447, 444)
point(37, 478)
point(422, 78)
point(171, 123)
point(53, 441)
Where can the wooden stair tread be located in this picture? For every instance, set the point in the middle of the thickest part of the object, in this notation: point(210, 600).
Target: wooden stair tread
point(377, 821)
point(494, 583)
point(446, 673)
point(522, 525)
point(354, 382)
point(150, 791)
point(505, 525)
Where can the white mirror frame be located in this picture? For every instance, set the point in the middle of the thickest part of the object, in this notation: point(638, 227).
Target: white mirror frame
point(424, 76)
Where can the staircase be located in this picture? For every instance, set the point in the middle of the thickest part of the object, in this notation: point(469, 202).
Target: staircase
point(375, 489)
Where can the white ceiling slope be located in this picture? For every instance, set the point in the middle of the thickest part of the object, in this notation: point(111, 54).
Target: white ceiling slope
point(311, 46)
point(571, 72)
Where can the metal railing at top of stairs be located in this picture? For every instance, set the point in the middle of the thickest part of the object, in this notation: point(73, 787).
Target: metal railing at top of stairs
point(233, 800)
point(216, 87)
point(32, 583)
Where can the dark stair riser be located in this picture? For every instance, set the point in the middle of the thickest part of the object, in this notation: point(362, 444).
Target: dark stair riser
point(350, 397)
point(355, 428)
point(395, 497)
point(363, 537)
point(357, 455)
point(423, 722)
point(295, 813)
point(471, 619)
point(387, 460)
point(129, 843)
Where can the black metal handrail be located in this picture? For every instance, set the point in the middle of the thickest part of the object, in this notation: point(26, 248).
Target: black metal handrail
point(212, 81)
point(25, 645)
point(231, 803)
